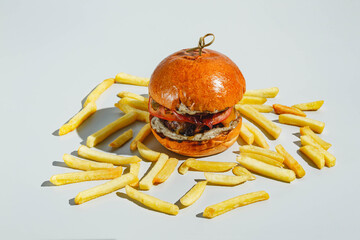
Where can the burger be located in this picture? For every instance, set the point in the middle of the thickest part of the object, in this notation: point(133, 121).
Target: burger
point(192, 94)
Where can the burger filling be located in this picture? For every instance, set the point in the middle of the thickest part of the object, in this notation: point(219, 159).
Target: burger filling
point(195, 127)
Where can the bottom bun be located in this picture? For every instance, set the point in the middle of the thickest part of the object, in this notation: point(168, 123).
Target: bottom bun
point(213, 146)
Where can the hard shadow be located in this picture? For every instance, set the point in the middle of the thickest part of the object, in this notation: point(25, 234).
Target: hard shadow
point(60, 164)
point(200, 215)
point(297, 143)
point(47, 184)
point(72, 202)
point(297, 134)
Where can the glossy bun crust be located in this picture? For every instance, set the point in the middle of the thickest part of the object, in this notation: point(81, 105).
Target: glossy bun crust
point(202, 83)
point(201, 148)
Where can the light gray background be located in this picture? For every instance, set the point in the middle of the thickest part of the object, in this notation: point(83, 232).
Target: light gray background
point(52, 53)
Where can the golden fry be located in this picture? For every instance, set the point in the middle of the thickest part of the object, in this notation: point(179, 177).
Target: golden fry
point(224, 180)
point(132, 95)
point(261, 151)
point(193, 194)
point(105, 188)
point(290, 161)
point(240, 171)
point(130, 79)
point(134, 170)
point(230, 204)
point(141, 105)
point(307, 131)
point(95, 94)
point(142, 116)
point(207, 166)
point(252, 100)
point(98, 156)
point(122, 139)
point(246, 135)
point(147, 153)
point(143, 133)
point(166, 171)
point(266, 170)
point(259, 138)
point(260, 107)
point(75, 177)
point(290, 119)
point(314, 154)
point(330, 160)
point(184, 167)
point(263, 158)
point(152, 202)
point(147, 181)
point(281, 109)
point(266, 92)
point(260, 119)
point(99, 136)
point(83, 164)
point(78, 119)
point(310, 106)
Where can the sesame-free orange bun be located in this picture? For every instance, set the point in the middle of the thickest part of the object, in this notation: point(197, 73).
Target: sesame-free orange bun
point(213, 146)
point(206, 82)
point(191, 102)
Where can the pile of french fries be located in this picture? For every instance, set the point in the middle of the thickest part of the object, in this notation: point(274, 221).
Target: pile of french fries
point(255, 156)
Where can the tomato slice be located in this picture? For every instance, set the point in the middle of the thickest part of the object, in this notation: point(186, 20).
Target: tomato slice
point(171, 115)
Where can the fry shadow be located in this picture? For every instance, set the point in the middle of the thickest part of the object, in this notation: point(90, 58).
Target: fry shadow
point(297, 134)
point(200, 215)
point(72, 202)
point(47, 184)
point(297, 143)
point(60, 164)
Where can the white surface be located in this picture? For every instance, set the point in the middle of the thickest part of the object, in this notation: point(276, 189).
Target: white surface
point(54, 52)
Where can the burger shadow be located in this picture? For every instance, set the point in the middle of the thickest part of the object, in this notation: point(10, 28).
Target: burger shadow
point(306, 159)
point(103, 117)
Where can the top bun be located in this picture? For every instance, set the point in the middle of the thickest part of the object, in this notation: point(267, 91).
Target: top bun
point(210, 82)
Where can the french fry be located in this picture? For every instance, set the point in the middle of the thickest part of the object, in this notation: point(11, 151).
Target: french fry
point(266, 170)
point(166, 171)
point(307, 131)
point(281, 109)
point(95, 94)
point(240, 171)
point(252, 100)
point(134, 170)
point(147, 153)
point(122, 139)
point(143, 133)
point(224, 180)
point(290, 161)
point(261, 151)
point(310, 106)
point(75, 177)
point(105, 188)
point(260, 107)
point(147, 181)
point(141, 105)
point(184, 167)
point(98, 156)
point(260, 120)
point(290, 119)
point(314, 154)
point(330, 160)
point(259, 138)
point(266, 92)
point(142, 116)
point(99, 136)
point(246, 135)
point(78, 119)
point(83, 164)
point(207, 166)
point(263, 158)
point(193, 194)
point(132, 95)
point(230, 204)
point(130, 79)
point(152, 202)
